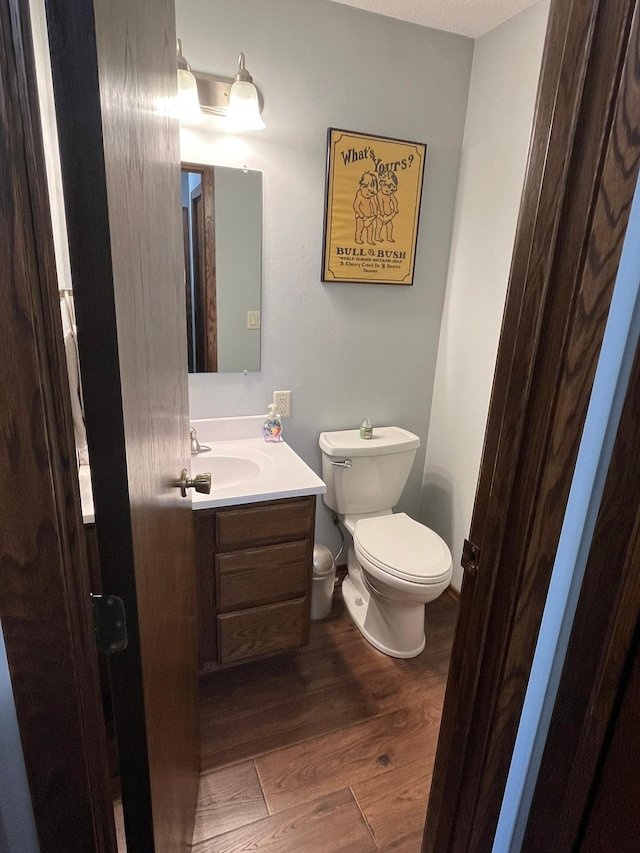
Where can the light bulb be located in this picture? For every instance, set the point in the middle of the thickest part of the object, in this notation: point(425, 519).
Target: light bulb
point(187, 101)
point(244, 110)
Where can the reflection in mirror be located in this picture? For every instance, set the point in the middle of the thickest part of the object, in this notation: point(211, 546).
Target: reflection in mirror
point(222, 232)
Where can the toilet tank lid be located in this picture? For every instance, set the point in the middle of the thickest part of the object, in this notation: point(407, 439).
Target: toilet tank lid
point(347, 442)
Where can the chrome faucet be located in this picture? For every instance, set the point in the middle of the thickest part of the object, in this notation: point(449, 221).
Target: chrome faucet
point(196, 447)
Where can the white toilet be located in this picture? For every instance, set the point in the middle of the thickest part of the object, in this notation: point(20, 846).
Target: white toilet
point(396, 564)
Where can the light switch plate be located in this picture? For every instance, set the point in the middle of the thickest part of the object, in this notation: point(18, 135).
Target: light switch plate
point(253, 319)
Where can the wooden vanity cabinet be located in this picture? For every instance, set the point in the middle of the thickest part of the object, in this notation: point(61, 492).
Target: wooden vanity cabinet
point(255, 569)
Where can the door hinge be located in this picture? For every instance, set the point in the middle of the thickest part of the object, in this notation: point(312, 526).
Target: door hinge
point(470, 557)
point(110, 623)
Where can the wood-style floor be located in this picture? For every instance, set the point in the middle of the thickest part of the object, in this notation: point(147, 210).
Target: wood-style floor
point(326, 749)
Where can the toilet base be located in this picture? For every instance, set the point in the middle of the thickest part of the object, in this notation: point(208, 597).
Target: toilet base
point(395, 628)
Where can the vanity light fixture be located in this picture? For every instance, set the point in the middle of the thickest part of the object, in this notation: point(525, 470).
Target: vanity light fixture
point(234, 99)
point(187, 101)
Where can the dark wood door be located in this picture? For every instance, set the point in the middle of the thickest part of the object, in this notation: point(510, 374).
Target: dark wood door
point(45, 607)
point(580, 180)
point(613, 820)
point(114, 76)
point(587, 793)
point(588, 790)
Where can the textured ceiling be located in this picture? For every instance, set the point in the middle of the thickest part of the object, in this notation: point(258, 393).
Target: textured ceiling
point(467, 17)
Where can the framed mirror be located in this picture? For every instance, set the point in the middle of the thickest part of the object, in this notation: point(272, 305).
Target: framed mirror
point(222, 234)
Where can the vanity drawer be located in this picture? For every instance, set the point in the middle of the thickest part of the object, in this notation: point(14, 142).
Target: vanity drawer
point(262, 630)
point(262, 575)
point(245, 527)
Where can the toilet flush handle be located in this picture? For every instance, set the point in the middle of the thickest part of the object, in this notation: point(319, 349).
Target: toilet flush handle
point(343, 463)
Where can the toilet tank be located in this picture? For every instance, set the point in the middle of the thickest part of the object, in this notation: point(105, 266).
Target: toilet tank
point(378, 472)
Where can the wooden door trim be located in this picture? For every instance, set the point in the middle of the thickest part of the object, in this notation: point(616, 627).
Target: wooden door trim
point(196, 232)
point(187, 285)
point(603, 638)
point(44, 589)
point(573, 217)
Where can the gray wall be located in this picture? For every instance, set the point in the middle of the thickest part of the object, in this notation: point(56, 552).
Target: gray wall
point(506, 67)
point(345, 351)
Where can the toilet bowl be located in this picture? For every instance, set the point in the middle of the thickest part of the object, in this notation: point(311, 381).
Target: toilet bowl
point(396, 565)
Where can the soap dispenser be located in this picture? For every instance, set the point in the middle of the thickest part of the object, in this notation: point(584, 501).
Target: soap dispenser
point(272, 429)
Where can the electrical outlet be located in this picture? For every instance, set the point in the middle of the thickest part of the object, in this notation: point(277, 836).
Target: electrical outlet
point(282, 399)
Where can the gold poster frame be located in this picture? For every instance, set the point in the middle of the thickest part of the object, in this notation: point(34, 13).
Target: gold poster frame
point(372, 208)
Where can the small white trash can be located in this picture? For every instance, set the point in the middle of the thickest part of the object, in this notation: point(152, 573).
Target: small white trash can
point(324, 578)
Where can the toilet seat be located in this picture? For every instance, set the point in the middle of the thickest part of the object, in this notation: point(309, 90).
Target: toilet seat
point(403, 548)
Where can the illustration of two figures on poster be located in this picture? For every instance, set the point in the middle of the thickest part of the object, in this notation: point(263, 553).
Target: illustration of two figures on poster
point(375, 207)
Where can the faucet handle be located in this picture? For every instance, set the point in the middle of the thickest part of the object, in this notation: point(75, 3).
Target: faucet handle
point(196, 447)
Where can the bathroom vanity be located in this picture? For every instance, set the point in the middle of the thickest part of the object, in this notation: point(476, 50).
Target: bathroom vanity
point(254, 568)
point(253, 543)
point(253, 538)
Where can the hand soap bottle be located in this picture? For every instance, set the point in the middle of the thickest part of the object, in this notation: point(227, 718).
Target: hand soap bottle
point(272, 429)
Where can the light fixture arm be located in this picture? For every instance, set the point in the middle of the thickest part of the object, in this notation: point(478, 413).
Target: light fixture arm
point(243, 75)
point(183, 65)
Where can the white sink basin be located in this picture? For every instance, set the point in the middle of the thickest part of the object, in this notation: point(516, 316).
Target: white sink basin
point(245, 468)
point(230, 470)
point(232, 463)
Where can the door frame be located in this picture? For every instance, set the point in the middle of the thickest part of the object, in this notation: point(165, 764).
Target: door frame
point(45, 603)
point(600, 658)
point(579, 184)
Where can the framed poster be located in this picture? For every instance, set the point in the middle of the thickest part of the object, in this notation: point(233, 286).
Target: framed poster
point(374, 188)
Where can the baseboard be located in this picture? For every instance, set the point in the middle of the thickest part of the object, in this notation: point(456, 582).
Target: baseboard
point(454, 593)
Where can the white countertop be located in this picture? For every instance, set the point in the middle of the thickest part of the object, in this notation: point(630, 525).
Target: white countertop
point(275, 470)
point(244, 467)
